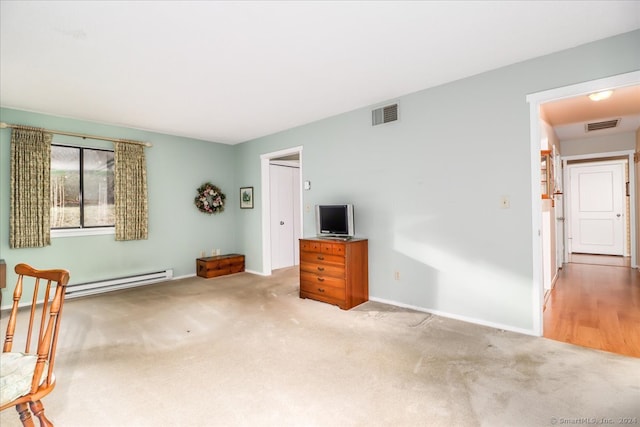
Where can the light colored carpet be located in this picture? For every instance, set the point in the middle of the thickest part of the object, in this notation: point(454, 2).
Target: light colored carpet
point(244, 350)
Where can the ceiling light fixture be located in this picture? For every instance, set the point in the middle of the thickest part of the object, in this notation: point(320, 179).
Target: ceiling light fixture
point(599, 96)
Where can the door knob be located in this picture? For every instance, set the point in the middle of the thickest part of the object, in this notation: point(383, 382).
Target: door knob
point(282, 222)
point(618, 215)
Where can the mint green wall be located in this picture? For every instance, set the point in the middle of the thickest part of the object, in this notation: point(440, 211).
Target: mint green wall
point(427, 188)
point(176, 167)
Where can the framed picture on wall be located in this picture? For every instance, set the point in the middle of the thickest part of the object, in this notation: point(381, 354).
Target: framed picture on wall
point(246, 197)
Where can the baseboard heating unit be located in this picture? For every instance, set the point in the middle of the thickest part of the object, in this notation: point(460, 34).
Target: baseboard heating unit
point(91, 288)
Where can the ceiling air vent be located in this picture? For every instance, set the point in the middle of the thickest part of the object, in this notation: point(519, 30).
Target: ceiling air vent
point(385, 114)
point(608, 124)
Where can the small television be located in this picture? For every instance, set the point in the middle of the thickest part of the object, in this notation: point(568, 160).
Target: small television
point(335, 221)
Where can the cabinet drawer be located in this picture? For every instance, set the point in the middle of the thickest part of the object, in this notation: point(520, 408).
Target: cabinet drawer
point(318, 258)
point(310, 245)
point(314, 278)
point(222, 271)
point(319, 288)
point(323, 269)
point(324, 247)
point(332, 248)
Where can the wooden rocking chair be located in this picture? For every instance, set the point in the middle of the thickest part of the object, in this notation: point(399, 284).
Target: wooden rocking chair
point(26, 377)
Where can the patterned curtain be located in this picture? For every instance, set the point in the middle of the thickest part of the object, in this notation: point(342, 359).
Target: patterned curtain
point(130, 192)
point(30, 226)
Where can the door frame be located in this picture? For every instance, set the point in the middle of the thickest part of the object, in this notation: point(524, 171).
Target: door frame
point(599, 158)
point(266, 201)
point(535, 100)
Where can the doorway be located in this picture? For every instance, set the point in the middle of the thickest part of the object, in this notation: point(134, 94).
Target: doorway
point(593, 298)
point(535, 101)
point(272, 195)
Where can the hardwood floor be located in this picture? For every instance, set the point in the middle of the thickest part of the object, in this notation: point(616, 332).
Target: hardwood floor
point(618, 261)
point(596, 306)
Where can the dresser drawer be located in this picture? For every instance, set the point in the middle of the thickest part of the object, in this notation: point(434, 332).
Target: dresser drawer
point(332, 248)
point(324, 247)
point(310, 245)
point(320, 288)
point(334, 270)
point(336, 282)
point(317, 258)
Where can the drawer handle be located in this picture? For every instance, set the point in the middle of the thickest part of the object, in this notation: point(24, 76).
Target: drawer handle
point(320, 268)
point(320, 279)
point(321, 258)
point(320, 290)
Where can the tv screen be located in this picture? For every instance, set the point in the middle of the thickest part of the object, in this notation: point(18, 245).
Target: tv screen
point(335, 220)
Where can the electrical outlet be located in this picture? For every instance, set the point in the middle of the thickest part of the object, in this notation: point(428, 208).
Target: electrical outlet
point(396, 275)
point(505, 203)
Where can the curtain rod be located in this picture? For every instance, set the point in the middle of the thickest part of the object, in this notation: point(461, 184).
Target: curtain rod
point(78, 135)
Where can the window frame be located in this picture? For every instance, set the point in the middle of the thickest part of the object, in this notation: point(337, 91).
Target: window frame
point(82, 230)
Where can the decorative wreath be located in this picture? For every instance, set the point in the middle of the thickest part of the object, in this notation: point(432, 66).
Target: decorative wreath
point(210, 199)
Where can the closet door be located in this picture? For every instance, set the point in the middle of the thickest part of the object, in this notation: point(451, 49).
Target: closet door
point(285, 203)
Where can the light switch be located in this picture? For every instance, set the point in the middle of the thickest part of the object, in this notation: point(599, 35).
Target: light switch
point(307, 185)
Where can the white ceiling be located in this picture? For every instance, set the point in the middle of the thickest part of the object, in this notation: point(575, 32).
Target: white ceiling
point(233, 71)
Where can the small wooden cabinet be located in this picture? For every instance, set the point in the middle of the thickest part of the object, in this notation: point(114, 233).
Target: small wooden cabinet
point(334, 271)
point(220, 265)
point(547, 178)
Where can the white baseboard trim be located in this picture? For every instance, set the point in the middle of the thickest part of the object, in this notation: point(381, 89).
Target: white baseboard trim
point(185, 276)
point(457, 317)
point(258, 273)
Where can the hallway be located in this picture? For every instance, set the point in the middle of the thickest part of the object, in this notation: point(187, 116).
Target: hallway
point(596, 306)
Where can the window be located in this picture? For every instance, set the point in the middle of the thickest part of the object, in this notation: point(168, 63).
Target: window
point(82, 188)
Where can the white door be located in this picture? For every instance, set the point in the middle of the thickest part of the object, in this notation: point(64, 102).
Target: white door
point(285, 202)
point(597, 208)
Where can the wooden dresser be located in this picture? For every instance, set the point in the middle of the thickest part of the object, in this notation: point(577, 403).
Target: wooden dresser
point(220, 265)
point(335, 271)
